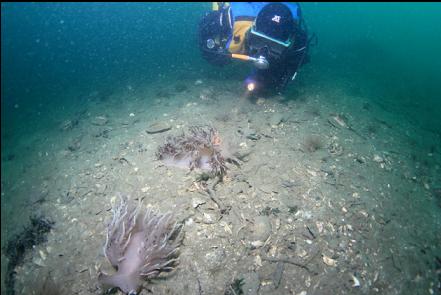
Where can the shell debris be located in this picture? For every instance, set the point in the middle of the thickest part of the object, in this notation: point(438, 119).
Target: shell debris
point(42, 255)
point(329, 261)
point(356, 281)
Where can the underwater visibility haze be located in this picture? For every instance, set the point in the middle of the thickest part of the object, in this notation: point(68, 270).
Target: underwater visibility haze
point(128, 161)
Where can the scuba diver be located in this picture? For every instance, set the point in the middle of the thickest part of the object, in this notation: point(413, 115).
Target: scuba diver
point(271, 35)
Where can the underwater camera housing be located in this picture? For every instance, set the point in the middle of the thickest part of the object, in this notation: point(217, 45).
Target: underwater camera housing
point(214, 29)
point(272, 32)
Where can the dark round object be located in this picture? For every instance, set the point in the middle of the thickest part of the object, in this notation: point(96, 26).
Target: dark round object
point(276, 21)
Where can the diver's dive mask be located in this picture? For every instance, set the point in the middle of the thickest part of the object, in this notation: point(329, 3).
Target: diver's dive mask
point(260, 43)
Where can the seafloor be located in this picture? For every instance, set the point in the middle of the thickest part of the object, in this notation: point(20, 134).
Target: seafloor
point(341, 191)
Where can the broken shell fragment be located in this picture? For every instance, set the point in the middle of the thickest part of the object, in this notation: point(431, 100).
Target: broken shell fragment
point(319, 226)
point(329, 261)
point(42, 255)
point(378, 159)
point(356, 281)
point(339, 120)
point(38, 261)
point(257, 244)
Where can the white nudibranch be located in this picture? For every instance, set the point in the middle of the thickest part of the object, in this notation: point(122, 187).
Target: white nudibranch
point(140, 244)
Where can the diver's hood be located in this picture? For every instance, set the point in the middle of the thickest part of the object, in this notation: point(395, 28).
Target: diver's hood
point(272, 31)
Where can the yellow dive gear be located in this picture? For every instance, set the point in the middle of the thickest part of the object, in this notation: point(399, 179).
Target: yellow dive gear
point(217, 5)
point(240, 28)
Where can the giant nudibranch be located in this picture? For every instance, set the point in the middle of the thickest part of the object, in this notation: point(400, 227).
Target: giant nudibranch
point(140, 244)
point(200, 148)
